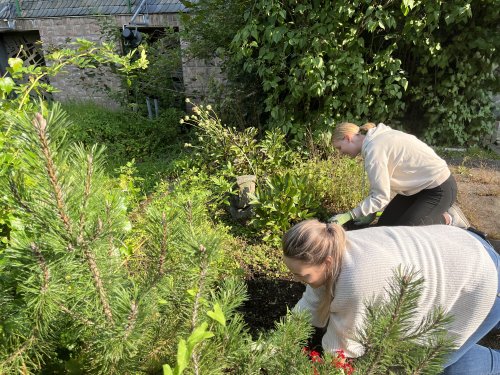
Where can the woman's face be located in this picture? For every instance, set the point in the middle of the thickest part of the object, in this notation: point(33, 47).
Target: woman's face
point(350, 145)
point(312, 275)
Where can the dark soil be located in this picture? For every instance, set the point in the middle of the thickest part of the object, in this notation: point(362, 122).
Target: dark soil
point(268, 302)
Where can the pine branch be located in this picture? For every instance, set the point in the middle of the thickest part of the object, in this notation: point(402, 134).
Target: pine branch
point(17, 196)
point(86, 194)
point(43, 265)
point(132, 318)
point(402, 293)
point(90, 258)
point(41, 126)
point(434, 322)
point(76, 315)
point(20, 351)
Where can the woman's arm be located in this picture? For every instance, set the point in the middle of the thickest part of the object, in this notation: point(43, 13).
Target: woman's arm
point(377, 168)
point(310, 302)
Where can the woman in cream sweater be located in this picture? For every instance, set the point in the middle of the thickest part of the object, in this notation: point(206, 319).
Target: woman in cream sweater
point(399, 162)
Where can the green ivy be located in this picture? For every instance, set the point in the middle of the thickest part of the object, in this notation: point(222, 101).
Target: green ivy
point(426, 64)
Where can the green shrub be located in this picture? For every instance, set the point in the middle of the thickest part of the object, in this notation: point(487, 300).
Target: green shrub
point(339, 181)
point(280, 202)
point(125, 134)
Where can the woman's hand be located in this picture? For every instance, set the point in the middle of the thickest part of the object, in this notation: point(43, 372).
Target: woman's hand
point(365, 220)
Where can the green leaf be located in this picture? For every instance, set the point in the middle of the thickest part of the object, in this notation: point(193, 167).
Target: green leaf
point(217, 315)
point(167, 370)
point(182, 357)
point(198, 335)
point(6, 85)
point(16, 64)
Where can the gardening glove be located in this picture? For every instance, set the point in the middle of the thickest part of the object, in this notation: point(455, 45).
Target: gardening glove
point(365, 220)
point(341, 219)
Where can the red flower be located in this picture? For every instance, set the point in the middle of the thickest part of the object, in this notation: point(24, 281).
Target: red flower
point(341, 362)
point(315, 357)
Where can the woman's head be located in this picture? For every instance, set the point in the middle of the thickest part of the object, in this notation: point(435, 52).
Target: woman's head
point(348, 137)
point(313, 251)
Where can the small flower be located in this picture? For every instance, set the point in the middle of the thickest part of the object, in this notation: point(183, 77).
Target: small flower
point(181, 121)
point(188, 101)
point(186, 117)
point(209, 107)
point(196, 110)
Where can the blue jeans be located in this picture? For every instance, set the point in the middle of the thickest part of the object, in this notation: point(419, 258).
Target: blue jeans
point(471, 358)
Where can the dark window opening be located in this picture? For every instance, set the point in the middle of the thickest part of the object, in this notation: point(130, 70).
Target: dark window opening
point(25, 45)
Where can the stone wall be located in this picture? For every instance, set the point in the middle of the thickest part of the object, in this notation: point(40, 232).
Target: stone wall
point(76, 85)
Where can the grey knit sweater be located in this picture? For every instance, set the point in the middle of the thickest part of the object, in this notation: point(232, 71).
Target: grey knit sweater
point(459, 276)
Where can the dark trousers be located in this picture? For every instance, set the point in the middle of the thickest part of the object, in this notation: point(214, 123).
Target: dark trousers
point(424, 208)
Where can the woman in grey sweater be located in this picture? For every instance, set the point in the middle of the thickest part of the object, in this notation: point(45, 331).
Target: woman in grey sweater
point(399, 162)
point(344, 269)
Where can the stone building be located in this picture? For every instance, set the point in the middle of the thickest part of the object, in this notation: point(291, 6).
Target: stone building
point(24, 22)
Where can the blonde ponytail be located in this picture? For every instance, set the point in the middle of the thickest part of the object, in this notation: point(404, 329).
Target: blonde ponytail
point(312, 242)
point(364, 128)
point(348, 128)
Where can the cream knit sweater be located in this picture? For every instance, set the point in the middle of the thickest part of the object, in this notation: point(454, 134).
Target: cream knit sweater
point(459, 276)
point(399, 162)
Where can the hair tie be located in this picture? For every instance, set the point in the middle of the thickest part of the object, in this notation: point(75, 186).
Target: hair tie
point(329, 228)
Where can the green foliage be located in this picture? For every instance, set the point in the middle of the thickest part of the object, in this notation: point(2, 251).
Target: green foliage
point(162, 79)
point(280, 202)
point(451, 85)
point(393, 341)
point(238, 100)
point(202, 25)
point(129, 183)
point(21, 83)
point(185, 348)
point(127, 135)
point(315, 62)
point(339, 181)
point(223, 146)
point(221, 153)
point(69, 286)
point(429, 64)
point(16, 90)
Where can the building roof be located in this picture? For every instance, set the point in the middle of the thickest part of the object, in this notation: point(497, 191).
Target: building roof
point(63, 8)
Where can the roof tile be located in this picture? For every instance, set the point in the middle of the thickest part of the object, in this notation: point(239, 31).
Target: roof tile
point(61, 8)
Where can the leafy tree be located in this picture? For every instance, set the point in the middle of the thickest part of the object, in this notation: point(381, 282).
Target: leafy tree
point(208, 28)
point(428, 64)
